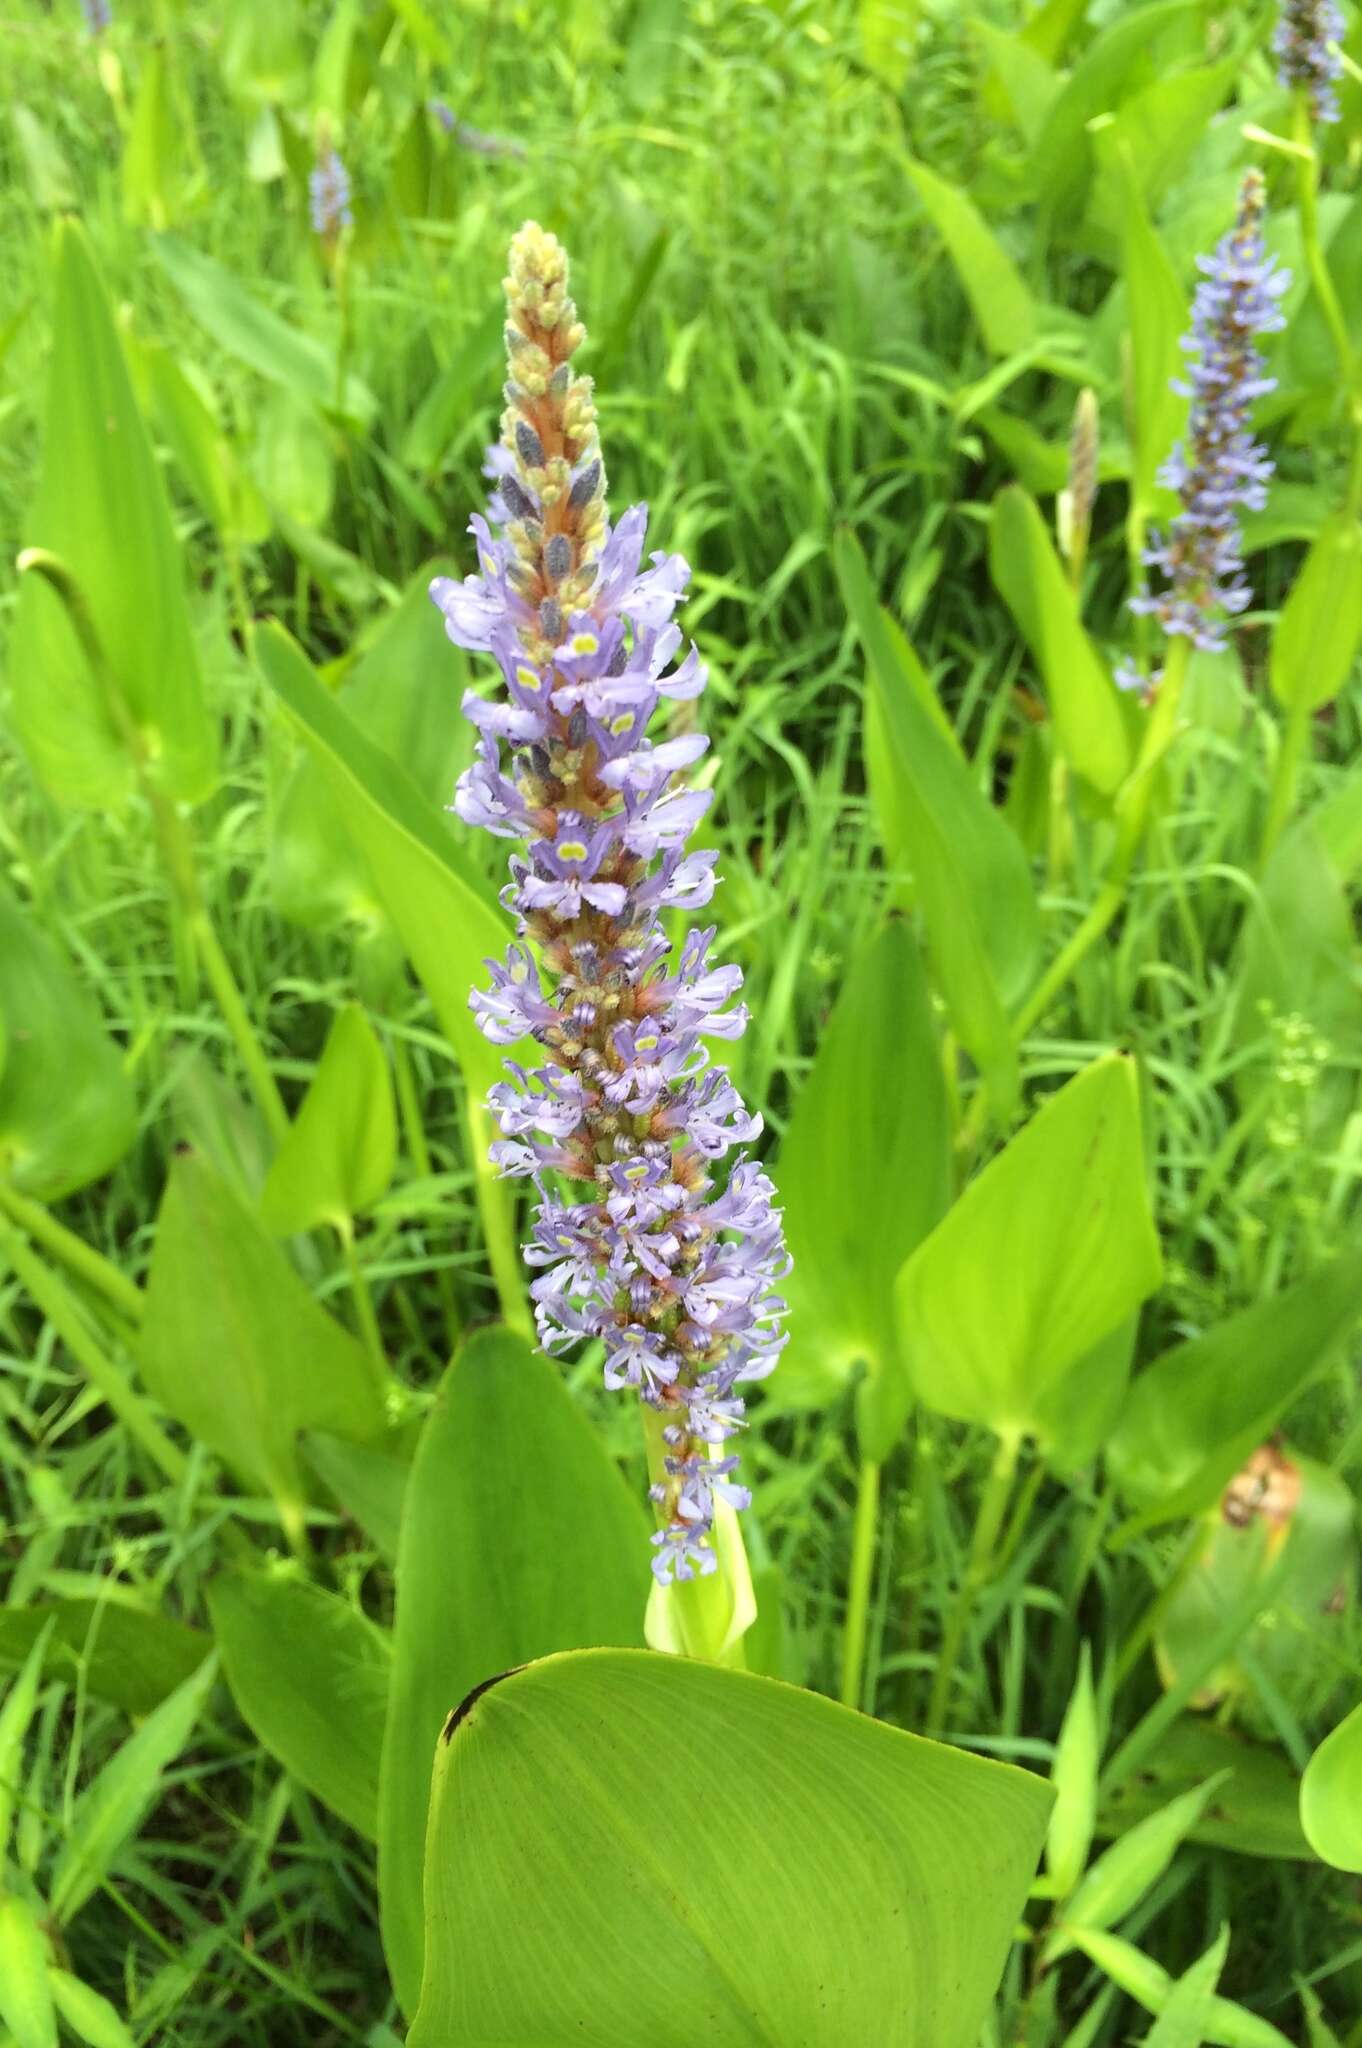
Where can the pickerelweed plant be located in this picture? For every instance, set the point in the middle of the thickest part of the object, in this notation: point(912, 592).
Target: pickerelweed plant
point(622, 1123)
point(1216, 470)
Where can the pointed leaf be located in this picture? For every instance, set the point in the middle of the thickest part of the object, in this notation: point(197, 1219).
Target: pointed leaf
point(518, 1537)
point(1196, 1413)
point(101, 506)
point(1078, 1754)
point(310, 1675)
point(369, 1480)
point(1081, 695)
point(863, 1884)
point(1256, 1807)
point(236, 1348)
point(88, 2014)
point(997, 292)
point(1191, 2003)
point(67, 1112)
point(1049, 1249)
point(971, 877)
point(15, 1715)
point(1320, 628)
point(341, 1148)
point(122, 1654)
point(864, 1174)
point(25, 1994)
point(1130, 1868)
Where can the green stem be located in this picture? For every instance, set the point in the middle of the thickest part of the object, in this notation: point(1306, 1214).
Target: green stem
point(978, 1571)
point(364, 1310)
point(1295, 744)
point(858, 1585)
point(80, 1258)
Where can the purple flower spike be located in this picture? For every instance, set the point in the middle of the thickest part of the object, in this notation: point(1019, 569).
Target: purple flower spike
point(639, 1249)
point(1220, 466)
point(329, 193)
point(1301, 43)
point(98, 15)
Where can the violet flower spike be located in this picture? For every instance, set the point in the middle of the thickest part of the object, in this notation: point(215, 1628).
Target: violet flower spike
point(634, 1245)
point(98, 15)
point(1220, 466)
point(1302, 43)
point(329, 195)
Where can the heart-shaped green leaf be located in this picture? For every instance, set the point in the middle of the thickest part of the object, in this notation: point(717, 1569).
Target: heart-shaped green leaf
point(826, 1880)
point(1331, 1796)
point(1045, 1253)
point(518, 1537)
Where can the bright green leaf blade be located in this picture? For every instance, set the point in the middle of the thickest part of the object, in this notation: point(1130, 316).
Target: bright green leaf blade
point(1331, 1796)
point(519, 1537)
point(444, 910)
point(1196, 1413)
point(1115, 64)
point(1190, 2008)
point(1080, 693)
point(25, 1995)
point(310, 1675)
point(970, 874)
point(88, 2014)
point(235, 1347)
point(125, 1655)
point(151, 153)
point(101, 506)
point(1078, 1754)
point(67, 1112)
point(15, 1716)
point(1148, 1983)
point(1130, 1868)
point(1049, 1249)
point(112, 1807)
point(998, 294)
point(860, 1885)
point(281, 352)
point(402, 693)
point(864, 1174)
point(1157, 311)
point(338, 1157)
point(1320, 628)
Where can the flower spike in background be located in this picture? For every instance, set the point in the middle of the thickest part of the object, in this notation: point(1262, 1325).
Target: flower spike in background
point(1303, 43)
point(329, 192)
point(641, 1249)
point(1220, 466)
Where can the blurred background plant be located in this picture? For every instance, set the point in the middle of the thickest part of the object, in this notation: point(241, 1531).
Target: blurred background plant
point(884, 303)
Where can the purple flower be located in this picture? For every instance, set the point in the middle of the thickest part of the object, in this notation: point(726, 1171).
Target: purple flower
point(98, 15)
point(329, 193)
point(1301, 44)
point(1220, 466)
point(674, 1275)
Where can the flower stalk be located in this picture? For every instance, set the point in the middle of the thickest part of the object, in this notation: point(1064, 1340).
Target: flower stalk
point(620, 1120)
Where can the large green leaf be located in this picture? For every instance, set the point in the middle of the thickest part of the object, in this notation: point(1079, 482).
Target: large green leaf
point(998, 294)
point(67, 1112)
point(1255, 1807)
point(1157, 311)
point(864, 1174)
point(338, 1156)
point(234, 1345)
point(445, 911)
point(1331, 1796)
point(1080, 693)
point(1196, 1413)
point(403, 693)
point(970, 874)
point(834, 1881)
point(369, 1480)
point(1045, 1253)
point(519, 1537)
point(1320, 629)
point(278, 349)
point(1114, 66)
point(310, 1674)
point(101, 506)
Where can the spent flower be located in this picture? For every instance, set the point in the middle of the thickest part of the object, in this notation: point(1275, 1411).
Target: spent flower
point(623, 1121)
point(1303, 44)
point(1219, 467)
